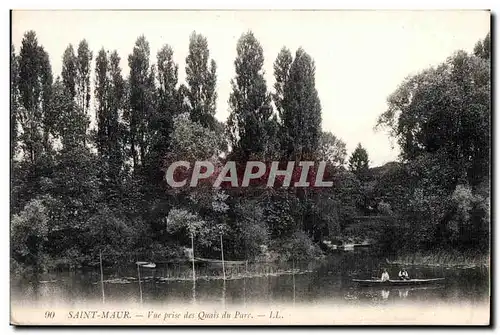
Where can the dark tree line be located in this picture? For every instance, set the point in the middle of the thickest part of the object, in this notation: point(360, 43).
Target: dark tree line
point(80, 187)
point(441, 118)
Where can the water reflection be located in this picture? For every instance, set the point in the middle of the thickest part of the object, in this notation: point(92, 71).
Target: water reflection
point(328, 281)
point(224, 294)
point(403, 294)
point(194, 293)
point(139, 280)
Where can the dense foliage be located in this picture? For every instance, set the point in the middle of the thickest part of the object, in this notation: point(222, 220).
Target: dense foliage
point(80, 187)
point(441, 118)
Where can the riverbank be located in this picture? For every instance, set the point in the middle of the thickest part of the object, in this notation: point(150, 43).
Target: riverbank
point(442, 258)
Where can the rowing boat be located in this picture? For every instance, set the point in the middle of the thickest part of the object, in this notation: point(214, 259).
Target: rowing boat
point(397, 282)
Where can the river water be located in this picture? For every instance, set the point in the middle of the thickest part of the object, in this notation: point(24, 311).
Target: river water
point(325, 281)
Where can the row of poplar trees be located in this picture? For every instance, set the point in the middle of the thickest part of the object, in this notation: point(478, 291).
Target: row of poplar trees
point(133, 116)
point(88, 146)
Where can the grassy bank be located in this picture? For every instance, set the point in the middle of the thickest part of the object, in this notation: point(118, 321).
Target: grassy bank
point(443, 258)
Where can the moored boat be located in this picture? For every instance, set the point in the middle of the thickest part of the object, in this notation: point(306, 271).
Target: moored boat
point(397, 282)
point(146, 264)
point(149, 265)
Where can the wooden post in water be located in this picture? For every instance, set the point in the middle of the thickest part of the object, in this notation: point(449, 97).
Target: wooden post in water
point(224, 294)
point(245, 284)
point(139, 276)
point(222, 256)
point(293, 279)
point(194, 274)
point(102, 276)
point(192, 256)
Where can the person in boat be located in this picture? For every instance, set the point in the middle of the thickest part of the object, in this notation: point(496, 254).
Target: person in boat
point(403, 274)
point(385, 275)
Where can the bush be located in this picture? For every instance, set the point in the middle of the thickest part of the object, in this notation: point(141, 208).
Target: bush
point(29, 232)
point(298, 247)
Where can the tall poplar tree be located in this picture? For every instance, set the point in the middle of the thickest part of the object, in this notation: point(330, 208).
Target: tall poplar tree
point(72, 120)
point(101, 94)
point(83, 66)
point(201, 81)
point(68, 72)
point(301, 108)
point(14, 100)
point(35, 88)
point(141, 94)
point(281, 72)
point(115, 104)
point(249, 101)
point(109, 96)
point(168, 104)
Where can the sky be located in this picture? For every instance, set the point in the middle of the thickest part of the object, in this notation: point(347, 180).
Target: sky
point(361, 56)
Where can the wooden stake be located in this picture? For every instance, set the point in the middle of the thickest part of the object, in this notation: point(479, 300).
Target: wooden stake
point(139, 276)
point(245, 284)
point(194, 274)
point(293, 278)
point(224, 293)
point(222, 256)
point(192, 254)
point(102, 276)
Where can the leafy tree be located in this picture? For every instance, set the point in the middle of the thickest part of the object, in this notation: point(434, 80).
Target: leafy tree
point(109, 95)
point(29, 232)
point(191, 141)
point(185, 221)
point(75, 184)
point(72, 118)
point(482, 48)
point(201, 81)
point(101, 96)
point(168, 105)
point(281, 74)
point(76, 79)
point(83, 66)
point(109, 232)
point(222, 136)
point(68, 72)
point(299, 247)
point(249, 101)
point(391, 186)
point(331, 149)
point(35, 88)
point(301, 115)
point(14, 101)
point(347, 193)
point(69, 201)
point(251, 230)
point(439, 118)
point(272, 129)
point(326, 210)
point(141, 92)
point(69, 125)
point(115, 129)
point(358, 162)
point(283, 214)
point(445, 109)
point(463, 199)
